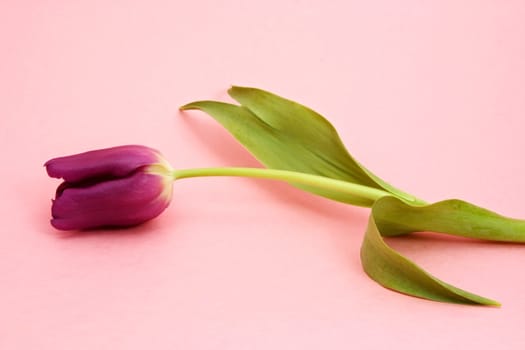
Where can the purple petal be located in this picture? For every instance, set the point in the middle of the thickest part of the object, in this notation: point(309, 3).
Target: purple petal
point(117, 203)
point(105, 163)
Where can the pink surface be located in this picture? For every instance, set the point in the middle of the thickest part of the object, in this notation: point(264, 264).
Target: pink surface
point(428, 94)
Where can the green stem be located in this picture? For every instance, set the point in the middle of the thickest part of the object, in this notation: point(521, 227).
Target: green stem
point(317, 181)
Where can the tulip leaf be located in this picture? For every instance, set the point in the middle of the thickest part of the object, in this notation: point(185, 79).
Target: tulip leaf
point(393, 217)
point(285, 135)
point(394, 271)
point(453, 216)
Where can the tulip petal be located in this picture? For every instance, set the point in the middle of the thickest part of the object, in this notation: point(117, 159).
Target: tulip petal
point(120, 202)
point(101, 164)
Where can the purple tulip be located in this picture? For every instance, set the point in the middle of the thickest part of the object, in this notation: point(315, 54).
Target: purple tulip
point(113, 187)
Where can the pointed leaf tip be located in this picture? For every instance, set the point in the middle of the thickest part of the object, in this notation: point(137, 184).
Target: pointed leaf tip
point(192, 105)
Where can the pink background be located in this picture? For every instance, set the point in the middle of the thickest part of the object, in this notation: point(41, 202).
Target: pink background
point(428, 94)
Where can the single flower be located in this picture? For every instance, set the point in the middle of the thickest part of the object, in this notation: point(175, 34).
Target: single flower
point(113, 187)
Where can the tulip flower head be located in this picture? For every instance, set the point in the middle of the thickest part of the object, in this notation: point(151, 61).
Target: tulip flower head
point(113, 187)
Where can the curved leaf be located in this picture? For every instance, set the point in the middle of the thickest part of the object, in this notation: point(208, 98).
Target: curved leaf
point(392, 217)
point(394, 271)
point(285, 135)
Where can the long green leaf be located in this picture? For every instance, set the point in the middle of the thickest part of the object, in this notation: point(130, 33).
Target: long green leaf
point(394, 271)
point(392, 217)
point(285, 135)
point(453, 216)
